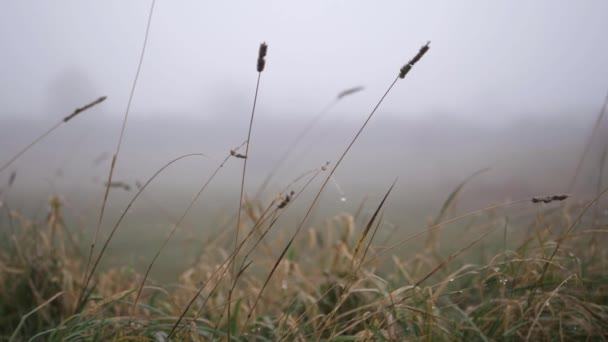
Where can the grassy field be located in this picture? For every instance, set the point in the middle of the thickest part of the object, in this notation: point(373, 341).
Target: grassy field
point(531, 268)
point(484, 276)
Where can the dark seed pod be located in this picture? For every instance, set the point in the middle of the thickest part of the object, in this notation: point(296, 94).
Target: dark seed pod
point(11, 180)
point(404, 70)
point(560, 197)
point(261, 64)
point(237, 155)
point(549, 199)
point(263, 50)
point(421, 53)
point(261, 57)
point(82, 109)
point(349, 91)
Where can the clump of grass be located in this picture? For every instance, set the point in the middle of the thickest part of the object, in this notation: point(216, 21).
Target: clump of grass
point(320, 290)
point(39, 267)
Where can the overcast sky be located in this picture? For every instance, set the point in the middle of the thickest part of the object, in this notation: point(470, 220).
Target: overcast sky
point(489, 59)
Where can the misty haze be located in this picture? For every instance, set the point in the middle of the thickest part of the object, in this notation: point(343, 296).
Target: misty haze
point(496, 128)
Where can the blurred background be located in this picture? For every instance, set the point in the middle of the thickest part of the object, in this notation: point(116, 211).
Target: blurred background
point(511, 86)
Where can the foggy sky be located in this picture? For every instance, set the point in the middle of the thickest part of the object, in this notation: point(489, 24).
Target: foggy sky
point(491, 61)
point(510, 85)
point(514, 85)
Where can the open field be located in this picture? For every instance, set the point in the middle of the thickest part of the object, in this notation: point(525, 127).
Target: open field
point(356, 221)
point(436, 261)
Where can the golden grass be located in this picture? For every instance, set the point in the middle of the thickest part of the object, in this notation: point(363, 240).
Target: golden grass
point(336, 283)
point(318, 292)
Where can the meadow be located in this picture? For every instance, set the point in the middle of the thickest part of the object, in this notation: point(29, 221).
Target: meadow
point(279, 268)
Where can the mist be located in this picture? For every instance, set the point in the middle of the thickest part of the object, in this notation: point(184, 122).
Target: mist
point(509, 86)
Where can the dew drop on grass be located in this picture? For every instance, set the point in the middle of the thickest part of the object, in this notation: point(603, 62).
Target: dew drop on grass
point(451, 280)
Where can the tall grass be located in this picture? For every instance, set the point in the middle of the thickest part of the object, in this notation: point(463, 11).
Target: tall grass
point(502, 279)
point(86, 279)
point(321, 290)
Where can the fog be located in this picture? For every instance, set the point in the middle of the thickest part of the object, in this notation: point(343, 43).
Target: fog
point(490, 61)
point(510, 86)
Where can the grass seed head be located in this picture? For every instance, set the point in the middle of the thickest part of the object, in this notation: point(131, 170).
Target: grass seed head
point(262, 56)
point(11, 180)
point(549, 199)
point(237, 155)
point(349, 91)
point(83, 108)
point(406, 68)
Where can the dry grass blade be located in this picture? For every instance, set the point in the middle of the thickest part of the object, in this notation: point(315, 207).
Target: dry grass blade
point(596, 127)
point(553, 293)
point(49, 131)
point(82, 299)
point(39, 307)
point(453, 256)
point(369, 244)
point(460, 217)
point(119, 144)
point(294, 143)
point(449, 201)
point(175, 226)
point(600, 179)
point(371, 222)
point(354, 271)
point(231, 257)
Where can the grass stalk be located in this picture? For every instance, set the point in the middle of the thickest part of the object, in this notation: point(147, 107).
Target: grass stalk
point(294, 143)
point(117, 152)
point(594, 131)
point(402, 74)
point(176, 225)
point(82, 298)
point(25, 317)
point(260, 67)
point(231, 257)
point(49, 131)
